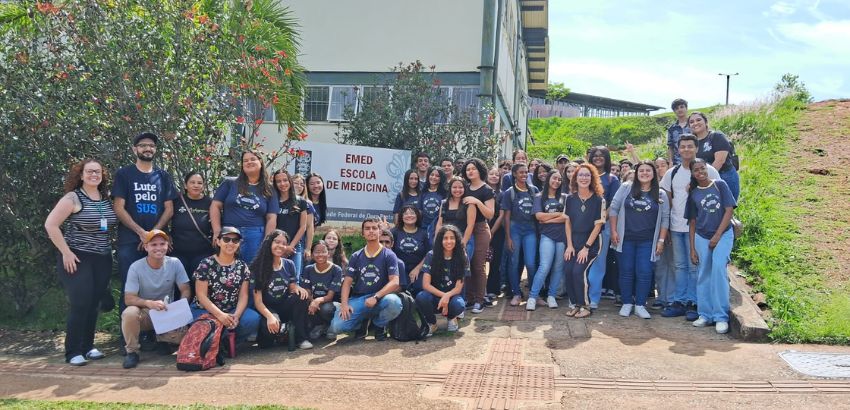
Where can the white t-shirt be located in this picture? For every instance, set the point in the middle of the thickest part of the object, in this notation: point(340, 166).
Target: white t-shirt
point(678, 223)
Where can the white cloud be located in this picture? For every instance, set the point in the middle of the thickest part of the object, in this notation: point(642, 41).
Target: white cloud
point(781, 8)
point(829, 37)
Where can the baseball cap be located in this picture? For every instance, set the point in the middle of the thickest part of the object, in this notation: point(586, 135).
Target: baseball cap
point(146, 135)
point(153, 233)
point(562, 157)
point(229, 230)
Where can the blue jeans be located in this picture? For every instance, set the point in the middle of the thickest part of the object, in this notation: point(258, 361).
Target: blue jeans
point(551, 264)
point(524, 237)
point(298, 258)
point(732, 179)
point(713, 283)
point(597, 269)
point(252, 238)
point(686, 271)
point(665, 274)
point(635, 271)
point(427, 305)
point(248, 325)
point(387, 309)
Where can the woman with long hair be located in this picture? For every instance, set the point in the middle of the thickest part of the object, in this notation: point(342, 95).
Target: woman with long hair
point(432, 196)
point(191, 230)
point(248, 203)
point(482, 198)
point(222, 286)
point(454, 212)
point(317, 195)
point(600, 158)
point(715, 149)
point(711, 205)
point(410, 245)
point(638, 220)
point(549, 211)
point(444, 270)
point(300, 186)
point(569, 171)
point(84, 262)
point(291, 218)
point(517, 204)
point(323, 280)
point(495, 274)
point(585, 209)
point(336, 249)
point(410, 194)
point(541, 174)
point(277, 296)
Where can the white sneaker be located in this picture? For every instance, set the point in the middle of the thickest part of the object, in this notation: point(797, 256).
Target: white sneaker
point(305, 345)
point(721, 327)
point(700, 322)
point(477, 308)
point(594, 305)
point(461, 315)
point(453, 326)
point(626, 310)
point(642, 313)
point(552, 302)
point(531, 304)
point(78, 360)
point(95, 354)
point(431, 330)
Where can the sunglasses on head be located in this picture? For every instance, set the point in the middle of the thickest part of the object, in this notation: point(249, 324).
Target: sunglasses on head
point(229, 239)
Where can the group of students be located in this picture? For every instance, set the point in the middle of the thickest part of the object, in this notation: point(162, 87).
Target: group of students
point(255, 266)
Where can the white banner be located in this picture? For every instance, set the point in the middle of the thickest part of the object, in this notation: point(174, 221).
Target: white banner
point(360, 182)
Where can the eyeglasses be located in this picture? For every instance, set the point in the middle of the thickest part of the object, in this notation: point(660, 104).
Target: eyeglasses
point(229, 239)
point(385, 242)
point(146, 145)
point(92, 172)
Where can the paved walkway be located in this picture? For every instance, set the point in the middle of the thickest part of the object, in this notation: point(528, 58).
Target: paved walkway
point(503, 358)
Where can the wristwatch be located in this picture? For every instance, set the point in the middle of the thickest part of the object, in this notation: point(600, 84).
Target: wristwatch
point(586, 246)
point(377, 298)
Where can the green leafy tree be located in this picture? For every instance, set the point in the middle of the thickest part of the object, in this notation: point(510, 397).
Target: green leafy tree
point(412, 112)
point(80, 78)
point(790, 84)
point(556, 91)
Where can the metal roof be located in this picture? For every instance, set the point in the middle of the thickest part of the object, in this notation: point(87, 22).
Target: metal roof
point(596, 101)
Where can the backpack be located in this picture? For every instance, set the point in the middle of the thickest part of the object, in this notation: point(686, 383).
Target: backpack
point(410, 325)
point(200, 348)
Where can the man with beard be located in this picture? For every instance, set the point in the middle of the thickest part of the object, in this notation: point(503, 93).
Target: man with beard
point(143, 201)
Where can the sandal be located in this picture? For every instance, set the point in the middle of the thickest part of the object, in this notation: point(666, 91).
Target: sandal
point(572, 312)
point(582, 313)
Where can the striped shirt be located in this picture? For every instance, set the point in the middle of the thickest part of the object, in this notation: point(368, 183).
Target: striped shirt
point(83, 229)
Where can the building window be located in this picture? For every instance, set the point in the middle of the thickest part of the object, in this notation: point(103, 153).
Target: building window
point(342, 98)
point(254, 108)
point(465, 100)
point(316, 104)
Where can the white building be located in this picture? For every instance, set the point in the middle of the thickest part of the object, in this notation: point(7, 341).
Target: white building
point(485, 51)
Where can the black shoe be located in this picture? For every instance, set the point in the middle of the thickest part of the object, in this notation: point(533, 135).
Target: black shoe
point(164, 349)
point(380, 333)
point(362, 331)
point(691, 312)
point(131, 360)
point(147, 341)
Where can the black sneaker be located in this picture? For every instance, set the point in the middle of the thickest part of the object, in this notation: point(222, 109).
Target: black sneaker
point(147, 341)
point(164, 349)
point(363, 330)
point(131, 360)
point(691, 312)
point(675, 309)
point(380, 333)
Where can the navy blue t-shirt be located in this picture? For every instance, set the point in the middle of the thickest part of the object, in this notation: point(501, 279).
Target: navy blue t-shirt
point(244, 210)
point(371, 274)
point(641, 215)
point(399, 202)
point(410, 248)
point(320, 283)
point(279, 282)
point(522, 205)
point(289, 215)
point(443, 280)
point(430, 206)
point(610, 186)
point(555, 232)
point(144, 196)
point(707, 205)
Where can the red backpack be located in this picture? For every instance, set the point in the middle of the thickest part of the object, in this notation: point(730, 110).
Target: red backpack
point(200, 348)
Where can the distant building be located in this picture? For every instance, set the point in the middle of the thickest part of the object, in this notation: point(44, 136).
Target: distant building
point(485, 51)
point(585, 105)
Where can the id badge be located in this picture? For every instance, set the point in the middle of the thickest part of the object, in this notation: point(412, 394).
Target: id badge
point(103, 224)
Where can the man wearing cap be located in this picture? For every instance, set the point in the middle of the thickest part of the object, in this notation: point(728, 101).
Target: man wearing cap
point(562, 163)
point(143, 196)
point(150, 284)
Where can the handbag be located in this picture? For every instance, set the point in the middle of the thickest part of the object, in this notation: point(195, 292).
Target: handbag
point(737, 227)
point(192, 217)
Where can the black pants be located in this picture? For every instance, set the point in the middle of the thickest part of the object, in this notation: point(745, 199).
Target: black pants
point(83, 289)
point(190, 262)
point(324, 315)
point(576, 273)
point(290, 309)
point(612, 273)
point(494, 278)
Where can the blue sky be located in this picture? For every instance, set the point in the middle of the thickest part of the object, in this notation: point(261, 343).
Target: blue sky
point(652, 52)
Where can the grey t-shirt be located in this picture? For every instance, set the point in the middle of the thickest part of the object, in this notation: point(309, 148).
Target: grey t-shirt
point(155, 284)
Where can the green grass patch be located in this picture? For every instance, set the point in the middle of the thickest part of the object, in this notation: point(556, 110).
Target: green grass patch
point(82, 405)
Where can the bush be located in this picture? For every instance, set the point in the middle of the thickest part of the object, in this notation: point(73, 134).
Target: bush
point(559, 135)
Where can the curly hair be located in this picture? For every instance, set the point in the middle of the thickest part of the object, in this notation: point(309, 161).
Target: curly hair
point(595, 183)
point(74, 178)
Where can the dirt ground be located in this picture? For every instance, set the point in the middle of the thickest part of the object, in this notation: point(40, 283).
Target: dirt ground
point(822, 153)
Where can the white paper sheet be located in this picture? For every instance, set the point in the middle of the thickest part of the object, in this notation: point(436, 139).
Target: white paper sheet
point(177, 315)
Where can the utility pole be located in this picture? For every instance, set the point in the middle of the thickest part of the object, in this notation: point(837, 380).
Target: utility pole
point(727, 85)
